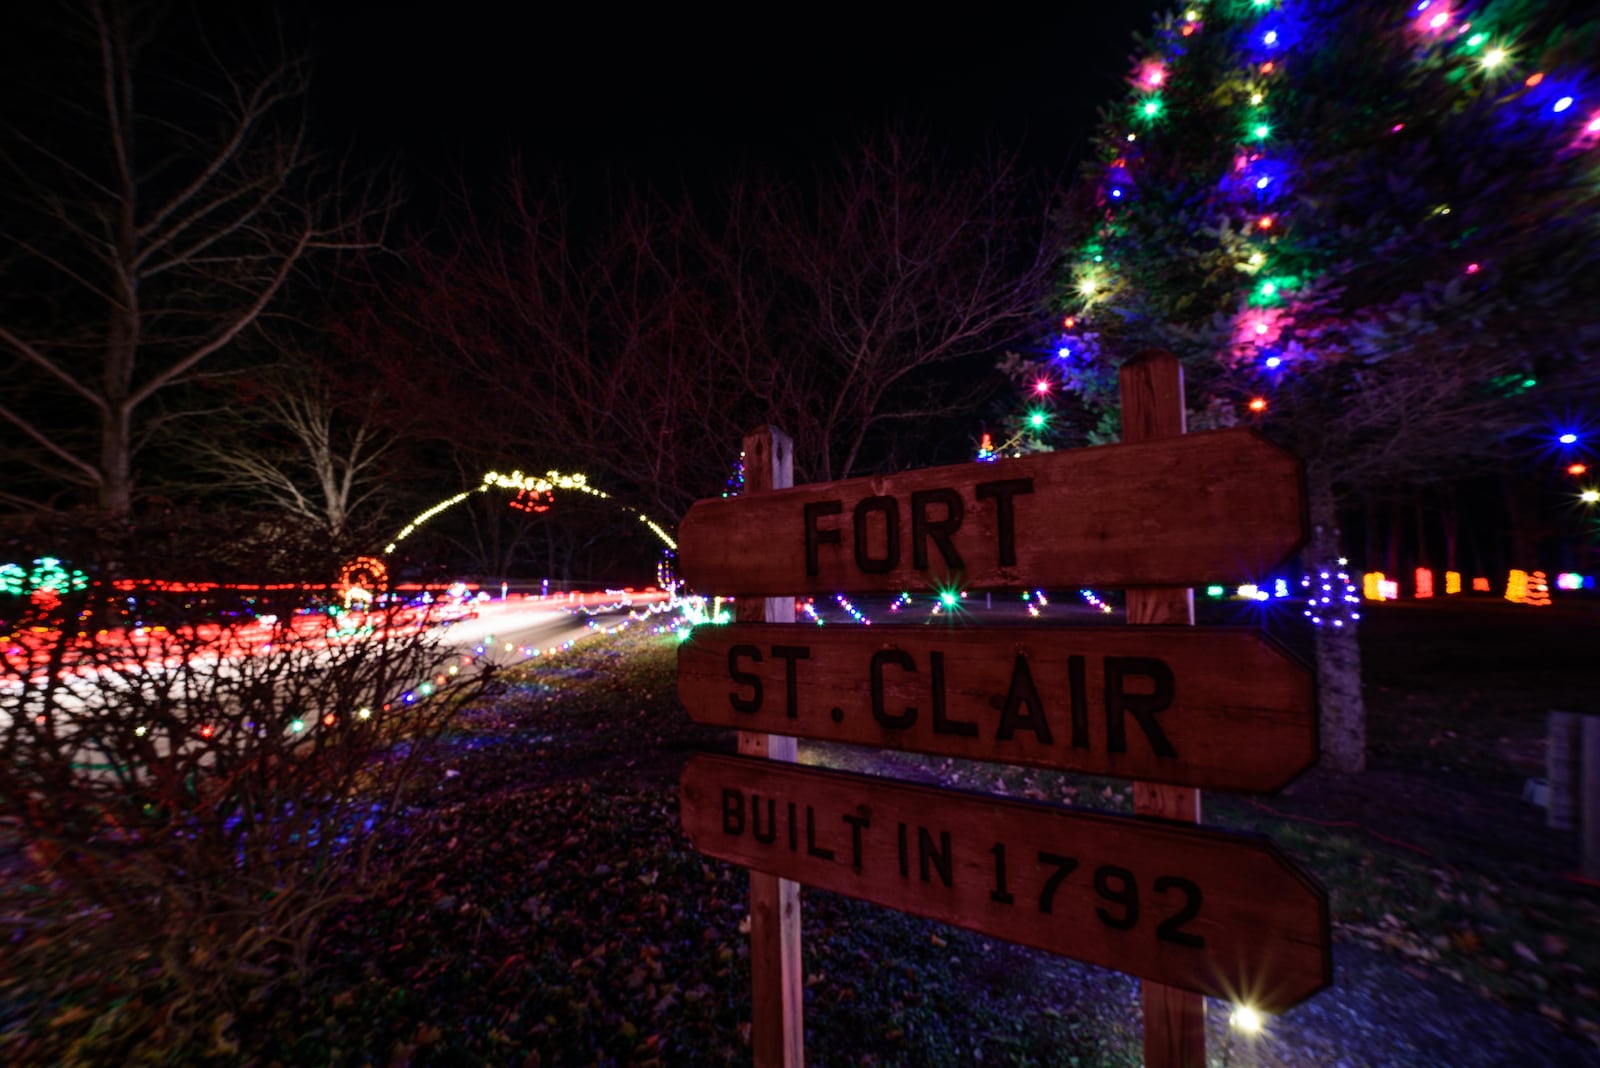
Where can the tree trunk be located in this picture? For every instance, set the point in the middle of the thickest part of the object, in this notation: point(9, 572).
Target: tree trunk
point(116, 465)
point(1341, 711)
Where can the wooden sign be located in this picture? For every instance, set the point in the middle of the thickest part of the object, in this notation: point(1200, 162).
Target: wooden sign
point(1224, 506)
point(1221, 914)
point(1220, 709)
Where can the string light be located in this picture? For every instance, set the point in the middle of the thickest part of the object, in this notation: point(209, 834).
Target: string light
point(1094, 599)
point(534, 486)
point(1268, 320)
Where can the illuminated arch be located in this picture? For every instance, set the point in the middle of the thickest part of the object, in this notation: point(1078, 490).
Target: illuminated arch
point(539, 486)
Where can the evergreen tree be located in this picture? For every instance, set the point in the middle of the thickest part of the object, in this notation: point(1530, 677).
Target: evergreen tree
point(1368, 228)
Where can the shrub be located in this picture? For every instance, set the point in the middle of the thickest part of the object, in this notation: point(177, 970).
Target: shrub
point(194, 789)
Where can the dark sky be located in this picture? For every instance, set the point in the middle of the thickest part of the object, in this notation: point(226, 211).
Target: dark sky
point(666, 92)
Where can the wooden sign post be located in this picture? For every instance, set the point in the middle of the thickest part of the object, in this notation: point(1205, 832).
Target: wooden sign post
point(1190, 910)
point(777, 1021)
point(1153, 409)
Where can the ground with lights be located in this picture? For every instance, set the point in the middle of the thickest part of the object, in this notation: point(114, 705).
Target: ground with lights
point(556, 908)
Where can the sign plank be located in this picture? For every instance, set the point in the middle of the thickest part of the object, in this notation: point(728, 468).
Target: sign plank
point(1221, 914)
point(1223, 506)
point(1223, 709)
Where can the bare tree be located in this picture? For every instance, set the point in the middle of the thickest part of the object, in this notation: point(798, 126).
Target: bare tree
point(307, 452)
point(639, 341)
point(572, 344)
point(156, 206)
point(888, 279)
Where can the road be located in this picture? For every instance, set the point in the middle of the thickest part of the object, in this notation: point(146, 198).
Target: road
point(516, 629)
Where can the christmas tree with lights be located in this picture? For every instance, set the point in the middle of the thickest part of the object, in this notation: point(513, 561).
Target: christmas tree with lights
point(1369, 229)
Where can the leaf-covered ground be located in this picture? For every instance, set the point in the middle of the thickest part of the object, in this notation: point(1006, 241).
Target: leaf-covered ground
point(558, 917)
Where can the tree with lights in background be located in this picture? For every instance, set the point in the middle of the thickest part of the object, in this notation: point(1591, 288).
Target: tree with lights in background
point(1369, 229)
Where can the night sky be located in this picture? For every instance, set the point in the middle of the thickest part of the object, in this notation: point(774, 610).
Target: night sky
point(665, 93)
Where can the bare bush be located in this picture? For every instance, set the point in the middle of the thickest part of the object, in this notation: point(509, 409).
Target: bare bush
point(193, 792)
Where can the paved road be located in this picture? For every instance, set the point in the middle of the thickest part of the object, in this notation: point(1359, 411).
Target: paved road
point(512, 630)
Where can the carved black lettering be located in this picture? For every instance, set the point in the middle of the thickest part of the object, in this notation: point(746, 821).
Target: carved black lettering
point(1064, 866)
point(1000, 895)
point(1079, 688)
point(732, 811)
point(744, 678)
point(1117, 887)
point(1023, 693)
point(791, 684)
point(942, 723)
point(815, 536)
point(1002, 492)
point(939, 858)
point(794, 830)
point(812, 849)
point(905, 862)
point(771, 834)
point(1142, 706)
point(859, 822)
point(890, 509)
point(923, 528)
point(1171, 928)
point(899, 657)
